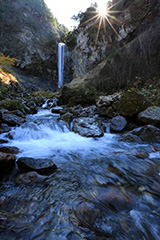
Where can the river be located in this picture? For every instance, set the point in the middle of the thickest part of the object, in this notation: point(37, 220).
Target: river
point(103, 188)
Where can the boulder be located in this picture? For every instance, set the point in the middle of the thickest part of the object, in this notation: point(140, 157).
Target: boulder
point(41, 166)
point(131, 104)
point(117, 124)
point(147, 133)
point(13, 150)
point(116, 200)
point(129, 137)
point(29, 178)
point(3, 141)
point(150, 116)
point(7, 162)
point(68, 117)
point(56, 110)
point(4, 128)
point(88, 127)
point(12, 119)
point(106, 101)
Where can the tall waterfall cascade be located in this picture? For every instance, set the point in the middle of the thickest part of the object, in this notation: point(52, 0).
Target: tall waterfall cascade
point(61, 55)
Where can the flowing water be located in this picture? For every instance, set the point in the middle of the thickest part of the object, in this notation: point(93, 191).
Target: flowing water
point(102, 189)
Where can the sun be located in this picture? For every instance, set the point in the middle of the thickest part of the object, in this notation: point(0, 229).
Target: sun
point(104, 13)
point(102, 9)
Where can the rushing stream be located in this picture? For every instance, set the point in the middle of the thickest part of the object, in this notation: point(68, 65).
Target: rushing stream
point(102, 189)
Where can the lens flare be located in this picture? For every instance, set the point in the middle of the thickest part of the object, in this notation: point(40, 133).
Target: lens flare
point(104, 13)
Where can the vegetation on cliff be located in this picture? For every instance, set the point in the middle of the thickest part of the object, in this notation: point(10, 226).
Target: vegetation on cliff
point(30, 33)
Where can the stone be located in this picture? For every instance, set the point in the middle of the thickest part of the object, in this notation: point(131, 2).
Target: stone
point(68, 117)
point(56, 110)
point(3, 141)
point(6, 149)
point(7, 162)
point(29, 178)
point(148, 133)
point(41, 166)
point(116, 200)
point(106, 101)
point(12, 119)
point(4, 128)
point(151, 115)
point(107, 112)
point(131, 104)
point(129, 137)
point(117, 124)
point(88, 127)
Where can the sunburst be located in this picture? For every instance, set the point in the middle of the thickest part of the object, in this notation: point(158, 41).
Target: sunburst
point(103, 13)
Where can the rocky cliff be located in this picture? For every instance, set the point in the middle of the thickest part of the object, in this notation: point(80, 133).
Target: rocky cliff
point(30, 33)
point(131, 53)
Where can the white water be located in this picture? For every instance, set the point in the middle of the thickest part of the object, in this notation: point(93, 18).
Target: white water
point(61, 53)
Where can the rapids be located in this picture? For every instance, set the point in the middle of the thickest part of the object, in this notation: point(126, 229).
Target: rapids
point(103, 188)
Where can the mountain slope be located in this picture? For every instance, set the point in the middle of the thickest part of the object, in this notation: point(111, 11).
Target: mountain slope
point(30, 33)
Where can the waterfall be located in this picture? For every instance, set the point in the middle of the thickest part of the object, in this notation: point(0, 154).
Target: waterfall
point(61, 52)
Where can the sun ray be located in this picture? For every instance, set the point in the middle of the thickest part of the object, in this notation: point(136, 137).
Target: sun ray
point(102, 17)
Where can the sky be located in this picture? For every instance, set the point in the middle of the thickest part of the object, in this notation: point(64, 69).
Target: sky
point(63, 10)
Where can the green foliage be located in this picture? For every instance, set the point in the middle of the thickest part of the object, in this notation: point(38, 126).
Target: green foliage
point(71, 39)
point(12, 105)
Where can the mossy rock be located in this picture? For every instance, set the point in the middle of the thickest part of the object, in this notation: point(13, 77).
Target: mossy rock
point(11, 105)
point(132, 103)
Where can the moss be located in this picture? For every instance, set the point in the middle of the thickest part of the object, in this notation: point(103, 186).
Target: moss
point(11, 105)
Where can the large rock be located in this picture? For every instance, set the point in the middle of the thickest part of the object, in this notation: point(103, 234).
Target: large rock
point(29, 178)
point(12, 119)
point(7, 162)
point(150, 116)
point(78, 92)
point(41, 166)
point(132, 103)
point(13, 150)
point(117, 124)
point(88, 127)
point(147, 133)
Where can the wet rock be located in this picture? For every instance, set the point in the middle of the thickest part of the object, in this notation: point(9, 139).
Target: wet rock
point(116, 200)
point(68, 117)
point(3, 141)
point(85, 215)
point(147, 133)
point(142, 155)
point(106, 101)
point(13, 150)
point(150, 116)
point(132, 103)
point(4, 128)
point(56, 110)
point(129, 137)
point(7, 162)
point(117, 124)
point(107, 112)
point(18, 113)
point(29, 178)
point(3, 200)
point(88, 127)
point(41, 166)
point(12, 119)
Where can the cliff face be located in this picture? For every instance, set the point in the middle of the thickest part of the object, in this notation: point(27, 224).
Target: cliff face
point(30, 33)
point(130, 56)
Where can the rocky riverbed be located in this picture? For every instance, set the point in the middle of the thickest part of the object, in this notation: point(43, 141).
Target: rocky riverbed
point(80, 172)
